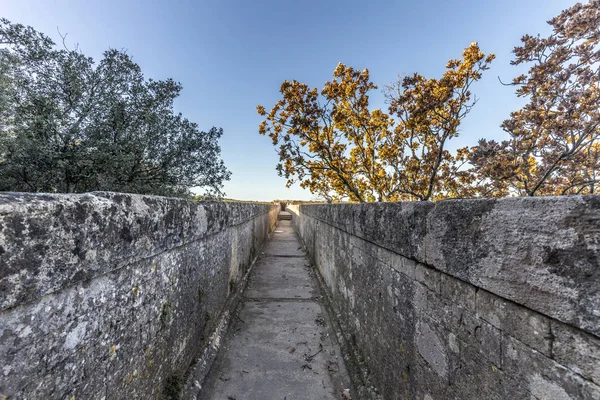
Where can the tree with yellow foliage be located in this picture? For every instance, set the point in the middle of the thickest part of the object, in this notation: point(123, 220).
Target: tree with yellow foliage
point(429, 113)
point(332, 144)
point(554, 144)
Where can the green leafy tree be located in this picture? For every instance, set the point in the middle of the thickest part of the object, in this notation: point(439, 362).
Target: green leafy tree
point(71, 125)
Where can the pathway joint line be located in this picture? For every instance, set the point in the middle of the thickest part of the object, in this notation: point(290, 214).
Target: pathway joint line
point(284, 255)
point(284, 299)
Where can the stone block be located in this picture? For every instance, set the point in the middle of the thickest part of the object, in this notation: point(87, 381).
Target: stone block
point(428, 277)
point(577, 350)
point(543, 377)
point(404, 266)
point(525, 325)
point(457, 292)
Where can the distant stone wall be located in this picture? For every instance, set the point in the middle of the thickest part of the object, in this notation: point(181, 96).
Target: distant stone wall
point(115, 296)
point(466, 299)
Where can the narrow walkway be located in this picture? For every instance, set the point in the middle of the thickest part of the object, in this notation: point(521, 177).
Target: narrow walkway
point(281, 345)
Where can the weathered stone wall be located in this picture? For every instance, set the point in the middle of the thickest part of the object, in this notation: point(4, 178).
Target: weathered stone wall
point(114, 296)
point(466, 299)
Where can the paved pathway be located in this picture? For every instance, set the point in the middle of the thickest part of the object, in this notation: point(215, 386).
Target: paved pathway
point(281, 345)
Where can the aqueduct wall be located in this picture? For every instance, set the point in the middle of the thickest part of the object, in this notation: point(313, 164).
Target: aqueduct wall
point(116, 296)
point(468, 299)
point(108, 295)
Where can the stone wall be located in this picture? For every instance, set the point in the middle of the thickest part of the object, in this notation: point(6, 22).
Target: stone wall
point(466, 299)
point(115, 296)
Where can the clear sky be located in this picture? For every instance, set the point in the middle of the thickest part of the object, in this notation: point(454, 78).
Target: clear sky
point(232, 55)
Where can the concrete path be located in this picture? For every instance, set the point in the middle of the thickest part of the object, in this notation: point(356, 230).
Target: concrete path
point(281, 345)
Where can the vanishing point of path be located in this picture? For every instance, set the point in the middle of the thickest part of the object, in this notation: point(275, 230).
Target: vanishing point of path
point(280, 345)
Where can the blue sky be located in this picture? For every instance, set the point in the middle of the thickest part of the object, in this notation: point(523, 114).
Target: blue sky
point(232, 55)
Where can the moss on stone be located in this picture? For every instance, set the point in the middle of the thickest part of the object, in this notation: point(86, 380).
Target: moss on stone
point(173, 387)
point(166, 314)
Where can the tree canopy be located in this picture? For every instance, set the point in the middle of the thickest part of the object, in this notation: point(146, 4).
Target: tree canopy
point(331, 143)
point(554, 145)
point(68, 124)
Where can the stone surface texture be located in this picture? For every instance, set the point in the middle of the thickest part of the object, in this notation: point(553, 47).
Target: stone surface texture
point(116, 296)
point(465, 299)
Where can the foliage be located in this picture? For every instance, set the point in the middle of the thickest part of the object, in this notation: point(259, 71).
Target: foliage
point(553, 147)
point(429, 112)
point(324, 141)
point(70, 125)
point(335, 146)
